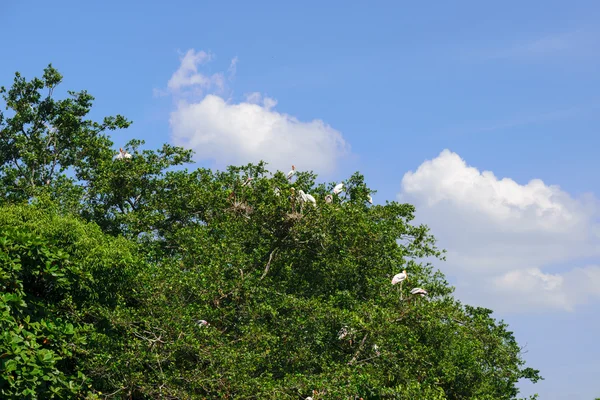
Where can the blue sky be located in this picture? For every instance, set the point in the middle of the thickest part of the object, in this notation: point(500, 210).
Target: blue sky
point(380, 87)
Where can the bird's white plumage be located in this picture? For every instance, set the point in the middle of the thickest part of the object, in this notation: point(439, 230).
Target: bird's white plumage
point(303, 197)
point(123, 154)
point(419, 291)
point(250, 179)
point(399, 277)
point(369, 199)
point(328, 199)
point(310, 199)
point(292, 172)
point(338, 188)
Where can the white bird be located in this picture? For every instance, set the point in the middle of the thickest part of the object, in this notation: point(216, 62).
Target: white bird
point(419, 291)
point(307, 198)
point(338, 188)
point(291, 173)
point(123, 154)
point(398, 278)
point(247, 181)
point(342, 333)
point(328, 199)
point(369, 199)
point(303, 197)
point(311, 199)
point(277, 192)
point(202, 322)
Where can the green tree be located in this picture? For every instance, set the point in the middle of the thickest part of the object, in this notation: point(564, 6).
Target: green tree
point(297, 297)
point(59, 278)
point(42, 138)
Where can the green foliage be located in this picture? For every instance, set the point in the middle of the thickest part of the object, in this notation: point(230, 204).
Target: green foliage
point(56, 276)
point(298, 298)
point(43, 138)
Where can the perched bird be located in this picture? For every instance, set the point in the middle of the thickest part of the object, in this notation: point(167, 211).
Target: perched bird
point(202, 322)
point(369, 199)
point(277, 192)
point(250, 179)
point(123, 154)
point(338, 188)
point(419, 291)
point(398, 278)
point(342, 333)
point(328, 199)
point(308, 198)
point(291, 173)
point(302, 195)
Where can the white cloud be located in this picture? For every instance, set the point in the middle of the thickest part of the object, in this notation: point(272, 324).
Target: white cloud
point(501, 236)
point(248, 131)
point(232, 70)
point(188, 76)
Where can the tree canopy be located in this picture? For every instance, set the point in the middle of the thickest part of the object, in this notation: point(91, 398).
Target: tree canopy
point(129, 278)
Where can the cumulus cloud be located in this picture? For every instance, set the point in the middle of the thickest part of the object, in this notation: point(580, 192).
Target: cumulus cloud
point(510, 246)
point(249, 131)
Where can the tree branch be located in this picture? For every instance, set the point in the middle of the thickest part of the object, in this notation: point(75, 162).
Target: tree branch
point(268, 263)
point(360, 347)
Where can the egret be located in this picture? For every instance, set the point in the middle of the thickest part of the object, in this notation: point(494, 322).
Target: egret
point(291, 173)
point(342, 333)
point(338, 188)
point(123, 154)
point(419, 291)
point(369, 199)
point(202, 322)
point(399, 278)
point(308, 198)
point(302, 197)
point(277, 192)
point(250, 179)
point(328, 199)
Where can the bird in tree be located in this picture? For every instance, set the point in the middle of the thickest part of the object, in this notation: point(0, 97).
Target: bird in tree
point(419, 291)
point(307, 198)
point(291, 173)
point(328, 199)
point(338, 188)
point(123, 154)
point(399, 278)
point(369, 199)
point(250, 179)
point(202, 322)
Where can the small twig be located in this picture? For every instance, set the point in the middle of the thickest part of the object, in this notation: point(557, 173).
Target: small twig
point(367, 359)
point(268, 264)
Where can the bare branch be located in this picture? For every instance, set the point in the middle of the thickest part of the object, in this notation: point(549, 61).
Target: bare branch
point(268, 264)
point(360, 347)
